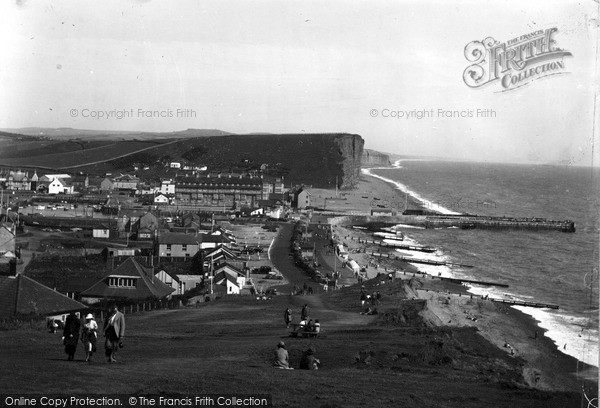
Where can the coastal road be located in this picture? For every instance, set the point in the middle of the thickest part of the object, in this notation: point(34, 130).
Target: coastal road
point(283, 261)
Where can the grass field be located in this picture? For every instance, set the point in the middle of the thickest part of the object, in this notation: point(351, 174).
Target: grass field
point(226, 347)
point(11, 149)
point(74, 158)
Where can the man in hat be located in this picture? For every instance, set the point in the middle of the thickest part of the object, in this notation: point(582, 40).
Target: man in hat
point(282, 359)
point(114, 330)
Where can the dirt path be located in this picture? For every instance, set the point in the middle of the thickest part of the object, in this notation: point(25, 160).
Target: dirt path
point(121, 156)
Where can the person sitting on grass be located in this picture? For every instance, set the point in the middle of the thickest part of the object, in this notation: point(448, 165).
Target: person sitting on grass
point(309, 361)
point(282, 359)
point(310, 326)
point(370, 311)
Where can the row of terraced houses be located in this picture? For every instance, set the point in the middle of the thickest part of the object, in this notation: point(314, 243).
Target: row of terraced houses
point(210, 189)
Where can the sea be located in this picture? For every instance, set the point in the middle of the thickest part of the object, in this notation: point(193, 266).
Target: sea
point(539, 266)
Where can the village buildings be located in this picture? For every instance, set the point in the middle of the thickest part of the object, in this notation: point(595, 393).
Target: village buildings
point(219, 190)
point(137, 236)
point(301, 198)
point(60, 186)
point(177, 246)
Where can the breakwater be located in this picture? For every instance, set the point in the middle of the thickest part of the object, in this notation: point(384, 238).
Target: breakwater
point(458, 221)
point(485, 222)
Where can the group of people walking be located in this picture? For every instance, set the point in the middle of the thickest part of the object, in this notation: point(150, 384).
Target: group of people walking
point(113, 330)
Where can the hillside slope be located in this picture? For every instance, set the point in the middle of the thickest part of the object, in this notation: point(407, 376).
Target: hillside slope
point(317, 160)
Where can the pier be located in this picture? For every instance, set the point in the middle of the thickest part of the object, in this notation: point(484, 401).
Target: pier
point(463, 221)
point(497, 223)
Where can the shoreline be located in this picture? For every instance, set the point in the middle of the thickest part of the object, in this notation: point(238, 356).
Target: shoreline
point(544, 322)
point(547, 367)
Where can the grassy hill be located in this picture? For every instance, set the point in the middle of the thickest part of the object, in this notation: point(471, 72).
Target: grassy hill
point(226, 347)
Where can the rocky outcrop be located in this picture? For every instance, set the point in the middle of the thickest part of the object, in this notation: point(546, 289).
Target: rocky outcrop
point(374, 158)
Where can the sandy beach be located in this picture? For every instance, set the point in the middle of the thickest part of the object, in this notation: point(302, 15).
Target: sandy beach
point(514, 332)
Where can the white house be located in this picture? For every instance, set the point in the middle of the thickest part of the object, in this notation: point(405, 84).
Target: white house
point(275, 212)
point(161, 199)
point(257, 212)
point(208, 241)
point(101, 231)
point(232, 279)
point(229, 282)
point(167, 187)
point(175, 165)
point(60, 186)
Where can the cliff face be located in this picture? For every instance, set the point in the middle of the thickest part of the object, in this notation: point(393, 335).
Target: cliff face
point(374, 158)
point(315, 159)
point(351, 152)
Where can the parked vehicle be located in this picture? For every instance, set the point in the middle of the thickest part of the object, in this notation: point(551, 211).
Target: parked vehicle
point(273, 275)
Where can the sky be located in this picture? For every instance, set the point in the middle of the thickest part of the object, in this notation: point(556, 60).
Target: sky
point(304, 66)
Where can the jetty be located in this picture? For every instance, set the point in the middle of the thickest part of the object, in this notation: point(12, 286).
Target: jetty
point(467, 221)
point(462, 221)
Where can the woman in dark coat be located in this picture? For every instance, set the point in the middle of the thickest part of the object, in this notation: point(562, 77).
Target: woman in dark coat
point(71, 335)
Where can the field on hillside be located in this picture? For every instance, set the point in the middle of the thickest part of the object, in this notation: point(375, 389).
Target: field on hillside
point(226, 347)
point(15, 149)
point(63, 155)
